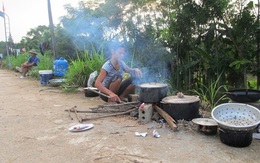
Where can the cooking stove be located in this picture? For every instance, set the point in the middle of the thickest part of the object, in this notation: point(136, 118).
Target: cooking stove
point(145, 112)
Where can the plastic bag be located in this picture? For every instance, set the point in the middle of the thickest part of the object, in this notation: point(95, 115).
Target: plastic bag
point(91, 78)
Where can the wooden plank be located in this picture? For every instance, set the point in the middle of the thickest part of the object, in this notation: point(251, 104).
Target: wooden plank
point(167, 117)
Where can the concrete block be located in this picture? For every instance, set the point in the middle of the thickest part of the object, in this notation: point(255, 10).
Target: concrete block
point(145, 112)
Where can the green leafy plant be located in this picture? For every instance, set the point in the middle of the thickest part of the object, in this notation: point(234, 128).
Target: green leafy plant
point(80, 68)
point(212, 94)
point(251, 81)
point(16, 60)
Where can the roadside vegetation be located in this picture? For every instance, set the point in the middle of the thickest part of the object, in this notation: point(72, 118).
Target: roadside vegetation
point(197, 47)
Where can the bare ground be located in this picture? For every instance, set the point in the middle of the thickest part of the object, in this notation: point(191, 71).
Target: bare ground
point(34, 128)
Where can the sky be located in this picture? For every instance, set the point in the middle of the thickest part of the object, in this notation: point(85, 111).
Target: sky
point(27, 14)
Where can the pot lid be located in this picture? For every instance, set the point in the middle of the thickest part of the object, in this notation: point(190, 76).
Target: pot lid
point(177, 100)
point(205, 121)
point(152, 85)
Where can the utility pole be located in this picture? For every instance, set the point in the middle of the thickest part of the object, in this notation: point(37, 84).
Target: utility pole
point(258, 48)
point(52, 29)
point(2, 14)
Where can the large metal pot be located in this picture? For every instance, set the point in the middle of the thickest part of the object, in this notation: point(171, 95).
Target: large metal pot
point(185, 108)
point(152, 92)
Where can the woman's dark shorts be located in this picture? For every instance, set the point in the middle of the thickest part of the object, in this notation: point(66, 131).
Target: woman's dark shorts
point(123, 86)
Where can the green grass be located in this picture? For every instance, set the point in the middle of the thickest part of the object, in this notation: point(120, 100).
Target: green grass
point(80, 68)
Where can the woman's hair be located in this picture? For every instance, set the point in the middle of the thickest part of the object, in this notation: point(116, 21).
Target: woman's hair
point(116, 45)
point(112, 46)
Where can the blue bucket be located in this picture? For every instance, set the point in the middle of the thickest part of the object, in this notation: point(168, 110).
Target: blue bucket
point(45, 76)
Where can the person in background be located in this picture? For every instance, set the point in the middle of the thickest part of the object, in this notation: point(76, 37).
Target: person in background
point(29, 64)
point(1, 62)
point(41, 46)
point(110, 79)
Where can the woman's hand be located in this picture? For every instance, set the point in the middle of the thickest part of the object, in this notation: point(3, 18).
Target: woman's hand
point(138, 72)
point(114, 98)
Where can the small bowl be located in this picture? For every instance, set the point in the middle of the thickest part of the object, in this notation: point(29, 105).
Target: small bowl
point(89, 93)
point(56, 82)
point(207, 126)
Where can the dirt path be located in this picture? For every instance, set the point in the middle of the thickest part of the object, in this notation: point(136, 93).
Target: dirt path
point(34, 128)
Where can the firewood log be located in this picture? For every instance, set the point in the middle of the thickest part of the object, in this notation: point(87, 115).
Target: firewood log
point(167, 117)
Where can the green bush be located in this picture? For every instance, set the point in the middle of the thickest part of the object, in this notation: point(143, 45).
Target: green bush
point(16, 60)
point(80, 69)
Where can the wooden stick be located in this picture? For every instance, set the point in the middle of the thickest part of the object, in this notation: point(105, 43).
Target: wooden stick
point(100, 93)
point(94, 111)
point(70, 111)
point(167, 117)
point(109, 115)
point(70, 115)
point(120, 104)
point(75, 111)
